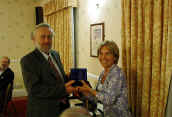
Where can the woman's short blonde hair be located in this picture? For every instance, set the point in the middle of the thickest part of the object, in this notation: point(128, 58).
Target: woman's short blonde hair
point(113, 48)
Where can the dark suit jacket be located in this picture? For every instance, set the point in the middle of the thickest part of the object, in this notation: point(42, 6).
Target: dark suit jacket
point(44, 89)
point(6, 78)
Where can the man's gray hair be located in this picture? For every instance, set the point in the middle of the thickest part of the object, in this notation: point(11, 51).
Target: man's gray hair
point(76, 112)
point(39, 26)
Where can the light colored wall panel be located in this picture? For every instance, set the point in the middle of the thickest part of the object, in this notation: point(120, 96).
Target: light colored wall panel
point(17, 19)
point(87, 13)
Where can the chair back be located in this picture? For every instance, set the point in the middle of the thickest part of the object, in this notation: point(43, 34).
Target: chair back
point(7, 97)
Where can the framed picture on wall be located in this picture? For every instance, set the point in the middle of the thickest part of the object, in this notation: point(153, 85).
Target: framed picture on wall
point(96, 37)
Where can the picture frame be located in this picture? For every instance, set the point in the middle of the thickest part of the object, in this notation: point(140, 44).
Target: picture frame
point(96, 37)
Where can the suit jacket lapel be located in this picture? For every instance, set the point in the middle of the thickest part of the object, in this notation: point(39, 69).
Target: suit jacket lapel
point(4, 72)
point(44, 62)
point(57, 61)
point(59, 64)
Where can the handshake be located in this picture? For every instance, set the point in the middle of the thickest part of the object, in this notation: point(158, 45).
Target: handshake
point(78, 87)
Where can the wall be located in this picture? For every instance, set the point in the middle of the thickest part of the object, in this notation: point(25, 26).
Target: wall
point(87, 13)
point(17, 19)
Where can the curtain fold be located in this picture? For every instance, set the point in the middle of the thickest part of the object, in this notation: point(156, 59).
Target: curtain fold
point(54, 6)
point(58, 13)
point(146, 54)
point(140, 56)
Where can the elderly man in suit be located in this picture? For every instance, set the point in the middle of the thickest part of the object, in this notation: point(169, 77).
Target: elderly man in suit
point(44, 77)
point(6, 77)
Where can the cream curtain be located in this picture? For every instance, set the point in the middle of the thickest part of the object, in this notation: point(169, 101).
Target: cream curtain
point(147, 54)
point(58, 13)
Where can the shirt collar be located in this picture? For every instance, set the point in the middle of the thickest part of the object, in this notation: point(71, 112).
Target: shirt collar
point(45, 55)
point(111, 68)
point(2, 71)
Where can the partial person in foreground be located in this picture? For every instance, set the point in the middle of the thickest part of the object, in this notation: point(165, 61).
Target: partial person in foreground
point(111, 90)
point(44, 77)
point(76, 112)
point(168, 110)
point(6, 77)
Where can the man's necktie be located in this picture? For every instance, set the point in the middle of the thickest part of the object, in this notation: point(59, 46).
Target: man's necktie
point(63, 100)
point(53, 67)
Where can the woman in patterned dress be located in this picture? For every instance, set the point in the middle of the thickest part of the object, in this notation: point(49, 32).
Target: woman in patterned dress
point(111, 89)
